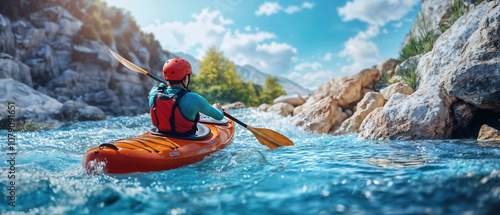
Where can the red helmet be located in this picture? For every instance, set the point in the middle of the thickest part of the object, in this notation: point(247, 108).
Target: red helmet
point(176, 69)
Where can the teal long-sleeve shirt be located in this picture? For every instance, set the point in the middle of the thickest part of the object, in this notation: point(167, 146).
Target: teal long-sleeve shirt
point(190, 104)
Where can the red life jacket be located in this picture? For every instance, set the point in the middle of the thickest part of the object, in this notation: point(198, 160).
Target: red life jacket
point(167, 117)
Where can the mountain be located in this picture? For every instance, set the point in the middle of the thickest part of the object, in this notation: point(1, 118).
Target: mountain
point(248, 72)
point(251, 73)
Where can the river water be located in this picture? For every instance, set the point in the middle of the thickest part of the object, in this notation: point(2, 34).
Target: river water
point(321, 174)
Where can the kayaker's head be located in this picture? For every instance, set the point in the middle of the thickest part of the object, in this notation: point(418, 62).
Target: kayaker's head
point(177, 71)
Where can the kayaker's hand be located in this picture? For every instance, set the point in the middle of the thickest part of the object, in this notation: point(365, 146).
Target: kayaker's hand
point(217, 105)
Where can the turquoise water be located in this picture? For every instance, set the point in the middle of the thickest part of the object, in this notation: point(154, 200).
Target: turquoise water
point(322, 174)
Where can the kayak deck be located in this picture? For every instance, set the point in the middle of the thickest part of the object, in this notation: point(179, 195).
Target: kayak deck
point(149, 152)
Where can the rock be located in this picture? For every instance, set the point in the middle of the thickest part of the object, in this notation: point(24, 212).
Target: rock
point(462, 114)
point(424, 114)
point(33, 39)
point(294, 100)
point(31, 105)
point(90, 113)
point(323, 116)
point(447, 48)
point(69, 110)
point(69, 28)
point(103, 56)
point(283, 109)
point(45, 67)
point(488, 133)
point(8, 44)
point(434, 13)
point(10, 68)
point(370, 102)
point(346, 90)
point(233, 106)
point(388, 67)
point(51, 29)
point(396, 88)
point(84, 54)
point(264, 107)
point(474, 76)
point(63, 48)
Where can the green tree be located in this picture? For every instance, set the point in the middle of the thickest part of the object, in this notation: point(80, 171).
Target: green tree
point(272, 90)
point(251, 96)
point(217, 79)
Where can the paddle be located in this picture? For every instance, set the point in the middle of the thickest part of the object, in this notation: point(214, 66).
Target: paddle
point(266, 137)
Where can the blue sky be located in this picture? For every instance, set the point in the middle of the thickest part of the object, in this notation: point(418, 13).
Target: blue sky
point(308, 42)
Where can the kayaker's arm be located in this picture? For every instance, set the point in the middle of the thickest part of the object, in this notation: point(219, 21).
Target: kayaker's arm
point(207, 109)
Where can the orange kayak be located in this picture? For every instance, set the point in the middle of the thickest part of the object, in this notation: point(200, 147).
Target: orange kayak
point(154, 151)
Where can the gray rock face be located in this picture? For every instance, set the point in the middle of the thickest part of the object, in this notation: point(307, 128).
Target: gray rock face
point(14, 69)
point(461, 115)
point(423, 115)
point(73, 110)
point(7, 44)
point(475, 76)
point(448, 47)
point(31, 105)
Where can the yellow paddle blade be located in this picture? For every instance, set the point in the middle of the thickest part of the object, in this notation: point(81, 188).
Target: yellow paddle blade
point(270, 138)
point(128, 64)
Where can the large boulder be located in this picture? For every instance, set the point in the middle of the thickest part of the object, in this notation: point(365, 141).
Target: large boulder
point(324, 116)
point(448, 47)
point(283, 109)
point(295, 100)
point(264, 107)
point(10, 68)
point(396, 88)
point(31, 106)
point(370, 102)
point(423, 115)
point(347, 91)
point(488, 133)
point(475, 75)
point(73, 110)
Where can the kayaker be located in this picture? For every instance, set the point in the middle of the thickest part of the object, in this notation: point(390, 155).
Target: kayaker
point(173, 108)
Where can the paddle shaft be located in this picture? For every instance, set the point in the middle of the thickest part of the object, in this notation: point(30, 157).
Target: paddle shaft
point(234, 119)
point(156, 78)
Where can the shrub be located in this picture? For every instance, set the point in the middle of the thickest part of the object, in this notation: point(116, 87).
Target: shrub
point(124, 51)
point(107, 37)
point(458, 9)
point(106, 25)
point(117, 21)
point(419, 44)
point(88, 32)
point(409, 76)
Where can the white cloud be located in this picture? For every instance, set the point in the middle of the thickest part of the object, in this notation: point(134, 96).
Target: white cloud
point(308, 66)
point(361, 52)
point(377, 12)
point(327, 57)
point(270, 8)
point(312, 80)
point(210, 28)
point(397, 24)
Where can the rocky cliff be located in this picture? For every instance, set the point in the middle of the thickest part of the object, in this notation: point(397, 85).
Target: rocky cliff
point(60, 49)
